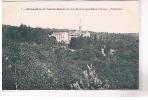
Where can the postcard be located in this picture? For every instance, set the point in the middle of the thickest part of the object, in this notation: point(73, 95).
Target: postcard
point(70, 45)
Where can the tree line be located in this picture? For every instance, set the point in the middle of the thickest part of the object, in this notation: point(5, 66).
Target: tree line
point(32, 60)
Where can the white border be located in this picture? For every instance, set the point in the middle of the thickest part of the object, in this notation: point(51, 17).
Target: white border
point(143, 91)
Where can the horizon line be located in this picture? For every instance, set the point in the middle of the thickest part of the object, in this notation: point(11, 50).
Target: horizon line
point(70, 29)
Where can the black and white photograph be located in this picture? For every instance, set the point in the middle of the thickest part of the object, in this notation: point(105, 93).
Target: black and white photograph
point(85, 45)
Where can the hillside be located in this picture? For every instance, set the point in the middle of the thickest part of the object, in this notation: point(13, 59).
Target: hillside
point(32, 60)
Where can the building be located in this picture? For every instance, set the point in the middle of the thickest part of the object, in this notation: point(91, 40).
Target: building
point(78, 33)
point(74, 34)
point(66, 37)
point(85, 34)
point(61, 36)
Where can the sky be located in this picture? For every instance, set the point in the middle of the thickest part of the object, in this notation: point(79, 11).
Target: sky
point(123, 19)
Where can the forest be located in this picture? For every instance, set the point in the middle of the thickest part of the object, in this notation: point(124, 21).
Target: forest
point(31, 60)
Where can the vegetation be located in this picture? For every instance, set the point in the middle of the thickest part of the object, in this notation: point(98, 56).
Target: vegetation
point(32, 60)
